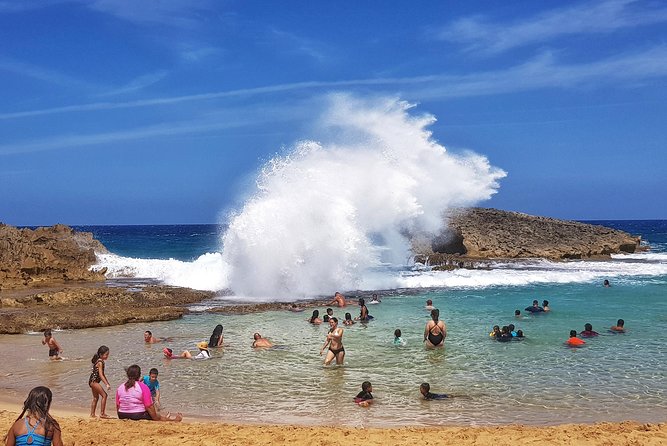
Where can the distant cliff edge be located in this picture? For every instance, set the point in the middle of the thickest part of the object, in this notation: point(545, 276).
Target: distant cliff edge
point(482, 234)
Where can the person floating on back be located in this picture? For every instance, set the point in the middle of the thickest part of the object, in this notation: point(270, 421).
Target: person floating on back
point(38, 427)
point(588, 331)
point(54, 348)
point(574, 341)
point(619, 327)
point(365, 397)
point(425, 390)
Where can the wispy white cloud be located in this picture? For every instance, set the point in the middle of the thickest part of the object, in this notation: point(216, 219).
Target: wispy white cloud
point(44, 74)
point(138, 83)
point(481, 35)
point(293, 43)
point(542, 72)
point(180, 13)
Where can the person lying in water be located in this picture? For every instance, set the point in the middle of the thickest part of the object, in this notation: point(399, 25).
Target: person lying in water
point(260, 341)
point(425, 390)
point(203, 352)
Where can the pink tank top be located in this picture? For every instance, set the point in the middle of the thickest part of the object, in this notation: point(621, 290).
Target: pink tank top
point(135, 399)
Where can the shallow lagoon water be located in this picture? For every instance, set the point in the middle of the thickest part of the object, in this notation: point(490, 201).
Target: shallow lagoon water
point(535, 381)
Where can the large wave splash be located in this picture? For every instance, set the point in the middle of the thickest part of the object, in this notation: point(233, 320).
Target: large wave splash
point(330, 210)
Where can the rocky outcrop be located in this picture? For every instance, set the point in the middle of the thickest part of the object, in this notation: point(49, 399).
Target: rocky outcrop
point(34, 257)
point(480, 233)
point(95, 306)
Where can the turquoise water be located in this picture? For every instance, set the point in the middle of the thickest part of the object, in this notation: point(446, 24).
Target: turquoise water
point(536, 381)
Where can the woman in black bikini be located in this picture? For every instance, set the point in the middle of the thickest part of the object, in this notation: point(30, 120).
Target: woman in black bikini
point(335, 342)
point(435, 331)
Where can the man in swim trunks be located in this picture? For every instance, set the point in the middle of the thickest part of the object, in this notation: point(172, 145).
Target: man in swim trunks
point(588, 331)
point(260, 341)
point(335, 343)
point(425, 390)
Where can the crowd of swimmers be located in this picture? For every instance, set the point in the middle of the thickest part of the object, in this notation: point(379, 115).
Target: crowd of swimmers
point(142, 394)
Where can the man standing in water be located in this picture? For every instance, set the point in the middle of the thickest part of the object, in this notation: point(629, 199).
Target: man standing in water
point(335, 342)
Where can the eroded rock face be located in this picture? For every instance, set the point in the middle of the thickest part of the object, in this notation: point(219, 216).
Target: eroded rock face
point(480, 233)
point(46, 255)
point(95, 306)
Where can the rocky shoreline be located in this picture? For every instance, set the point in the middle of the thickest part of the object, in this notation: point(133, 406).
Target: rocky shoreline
point(46, 279)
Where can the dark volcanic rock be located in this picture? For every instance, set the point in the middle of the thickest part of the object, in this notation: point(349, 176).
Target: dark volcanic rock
point(46, 255)
point(480, 233)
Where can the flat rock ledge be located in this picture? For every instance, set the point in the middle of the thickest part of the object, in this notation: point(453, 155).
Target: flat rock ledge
point(475, 236)
point(101, 306)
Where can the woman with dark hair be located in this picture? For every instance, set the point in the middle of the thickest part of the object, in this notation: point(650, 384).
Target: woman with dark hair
point(435, 331)
point(134, 401)
point(363, 311)
point(38, 428)
point(315, 318)
point(216, 337)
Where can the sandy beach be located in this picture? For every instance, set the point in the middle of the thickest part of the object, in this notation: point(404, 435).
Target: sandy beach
point(78, 429)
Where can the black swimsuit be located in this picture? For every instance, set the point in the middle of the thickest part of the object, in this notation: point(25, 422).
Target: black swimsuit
point(435, 339)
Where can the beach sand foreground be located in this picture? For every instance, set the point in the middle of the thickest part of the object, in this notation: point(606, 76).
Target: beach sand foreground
point(78, 430)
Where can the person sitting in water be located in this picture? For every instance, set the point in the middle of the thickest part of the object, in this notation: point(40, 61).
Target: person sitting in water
point(511, 329)
point(425, 390)
point(619, 327)
point(545, 306)
point(398, 340)
point(429, 305)
point(535, 308)
point(260, 341)
point(588, 331)
point(315, 318)
point(216, 337)
point(363, 312)
point(505, 334)
point(203, 352)
point(435, 331)
point(338, 300)
point(365, 397)
point(495, 332)
point(334, 341)
point(574, 341)
point(348, 319)
point(374, 299)
point(606, 283)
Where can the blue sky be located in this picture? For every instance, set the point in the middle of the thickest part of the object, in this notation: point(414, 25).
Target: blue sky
point(126, 112)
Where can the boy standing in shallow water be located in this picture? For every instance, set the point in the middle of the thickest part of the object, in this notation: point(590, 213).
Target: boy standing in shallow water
point(54, 348)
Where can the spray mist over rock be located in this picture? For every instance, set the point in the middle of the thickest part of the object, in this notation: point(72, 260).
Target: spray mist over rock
point(331, 210)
